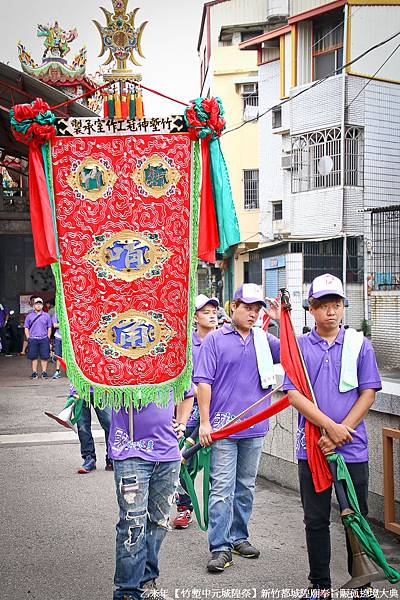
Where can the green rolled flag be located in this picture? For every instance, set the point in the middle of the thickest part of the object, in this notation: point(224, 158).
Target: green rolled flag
point(360, 525)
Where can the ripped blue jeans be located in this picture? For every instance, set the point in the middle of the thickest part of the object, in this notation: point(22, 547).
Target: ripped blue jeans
point(145, 492)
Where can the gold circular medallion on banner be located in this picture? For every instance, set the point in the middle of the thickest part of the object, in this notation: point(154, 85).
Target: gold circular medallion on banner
point(91, 178)
point(133, 334)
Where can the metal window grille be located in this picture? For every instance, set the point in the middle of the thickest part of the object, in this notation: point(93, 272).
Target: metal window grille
point(309, 149)
point(276, 117)
point(277, 211)
point(385, 226)
point(354, 157)
point(327, 257)
point(250, 189)
point(250, 94)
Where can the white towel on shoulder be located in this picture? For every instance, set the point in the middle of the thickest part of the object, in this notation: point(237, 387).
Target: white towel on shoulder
point(265, 361)
point(352, 344)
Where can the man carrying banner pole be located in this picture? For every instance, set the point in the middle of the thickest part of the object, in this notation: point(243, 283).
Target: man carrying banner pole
point(343, 373)
point(235, 367)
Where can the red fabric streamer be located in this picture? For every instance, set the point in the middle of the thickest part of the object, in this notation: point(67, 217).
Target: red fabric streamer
point(293, 366)
point(205, 130)
point(271, 410)
point(265, 320)
point(40, 209)
point(208, 228)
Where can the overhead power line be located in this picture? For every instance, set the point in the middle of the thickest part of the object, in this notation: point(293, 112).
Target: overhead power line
point(318, 82)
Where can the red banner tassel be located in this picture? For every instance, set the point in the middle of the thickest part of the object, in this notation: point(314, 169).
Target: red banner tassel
point(124, 106)
point(40, 209)
point(105, 105)
point(208, 228)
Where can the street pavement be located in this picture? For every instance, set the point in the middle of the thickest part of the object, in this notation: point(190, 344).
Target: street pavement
point(58, 527)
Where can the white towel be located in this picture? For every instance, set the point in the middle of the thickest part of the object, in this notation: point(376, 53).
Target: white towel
point(265, 361)
point(352, 344)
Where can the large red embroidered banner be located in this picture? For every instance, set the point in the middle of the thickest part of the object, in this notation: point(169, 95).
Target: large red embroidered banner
point(126, 229)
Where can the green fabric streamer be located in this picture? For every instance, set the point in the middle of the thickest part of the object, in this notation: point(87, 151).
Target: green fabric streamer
point(77, 408)
point(137, 395)
point(228, 226)
point(359, 524)
point(200, 462)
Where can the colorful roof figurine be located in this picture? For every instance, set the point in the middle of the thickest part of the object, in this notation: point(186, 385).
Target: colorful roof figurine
point(54, 69)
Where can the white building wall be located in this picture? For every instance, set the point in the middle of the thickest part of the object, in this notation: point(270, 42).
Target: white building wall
point(370, 26)
point(294, 284)
point(318, 107)
point(382, 144)
point(353, 218)
point(317, 213)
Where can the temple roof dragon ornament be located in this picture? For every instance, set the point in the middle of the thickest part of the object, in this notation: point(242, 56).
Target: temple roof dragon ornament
point(54, 69)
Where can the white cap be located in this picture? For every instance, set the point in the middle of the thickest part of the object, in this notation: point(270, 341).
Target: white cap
point(37, 300)
point(326, 285)
point(201, 300)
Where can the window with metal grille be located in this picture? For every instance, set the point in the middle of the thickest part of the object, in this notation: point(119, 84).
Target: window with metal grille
point(276, 117)
point(385, 226)
point(250, 94)
point(327, 257)
point(250, 189)
point(277, 211)
point(316, 159)
point(328, 48)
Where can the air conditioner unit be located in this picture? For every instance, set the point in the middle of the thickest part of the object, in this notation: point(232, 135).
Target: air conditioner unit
point(286, 161)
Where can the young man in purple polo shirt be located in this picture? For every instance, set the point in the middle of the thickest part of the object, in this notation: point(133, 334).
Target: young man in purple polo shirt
point(38, 331)
point(146, 471)
point(205, 321)
point(229, 380)
point(345, 378)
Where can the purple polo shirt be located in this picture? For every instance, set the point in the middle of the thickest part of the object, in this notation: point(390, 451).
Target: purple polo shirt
point(155, 440)
point(39, 329)
point(54, 321)
point(228, 363)
point(323, 362)
point(196, 343)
